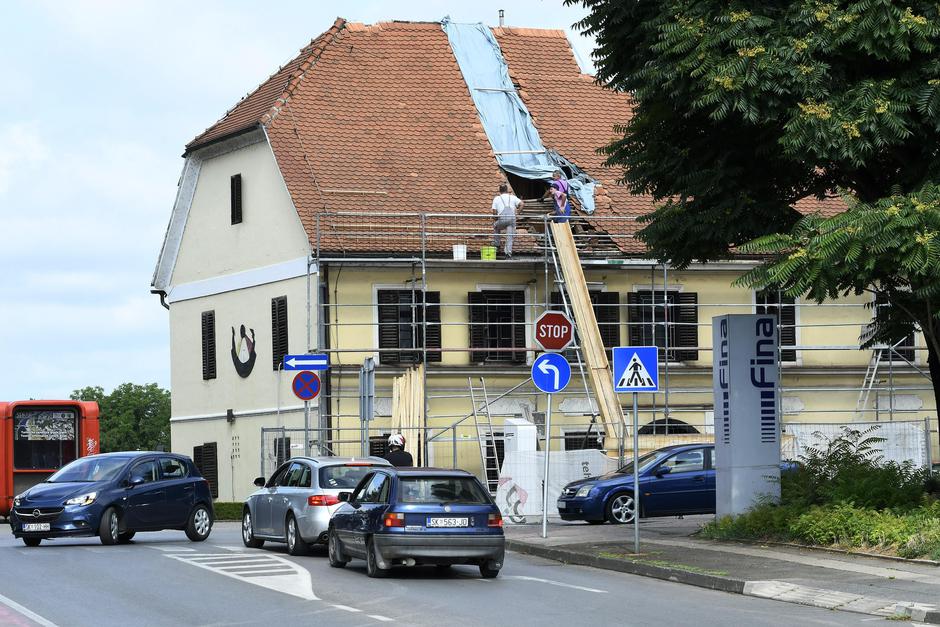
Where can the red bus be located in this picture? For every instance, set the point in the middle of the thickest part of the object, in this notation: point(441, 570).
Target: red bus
point(39, 437)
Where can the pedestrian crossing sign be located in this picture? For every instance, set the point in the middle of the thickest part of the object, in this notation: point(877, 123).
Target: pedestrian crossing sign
point(636, 369)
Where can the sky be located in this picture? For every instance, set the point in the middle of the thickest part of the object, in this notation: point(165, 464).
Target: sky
point(97, 100)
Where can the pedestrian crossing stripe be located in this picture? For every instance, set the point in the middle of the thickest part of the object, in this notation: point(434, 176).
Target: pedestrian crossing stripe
point(635, 375)
point(636, 368)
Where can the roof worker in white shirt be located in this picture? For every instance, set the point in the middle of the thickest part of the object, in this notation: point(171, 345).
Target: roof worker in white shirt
point(505, 206)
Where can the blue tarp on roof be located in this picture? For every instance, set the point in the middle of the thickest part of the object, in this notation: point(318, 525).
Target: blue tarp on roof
point(506, 120)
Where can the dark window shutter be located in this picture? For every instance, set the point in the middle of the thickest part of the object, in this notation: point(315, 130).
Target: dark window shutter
point(282, 451)
point(477, 303)
point(686, 334)
point(607, 312)
point(635, 319)
point(378, 445)
point(433, 326)
point(208, 345)
point(388, 326)
point(518, 326)
point(206, 459)
point(236, 197)
point(278, 330)
point(788, 328)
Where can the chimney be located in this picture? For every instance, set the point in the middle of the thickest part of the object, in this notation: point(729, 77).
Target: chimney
point(502, 15)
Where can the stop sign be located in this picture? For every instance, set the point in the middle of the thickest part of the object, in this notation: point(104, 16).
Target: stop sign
point(554, 331)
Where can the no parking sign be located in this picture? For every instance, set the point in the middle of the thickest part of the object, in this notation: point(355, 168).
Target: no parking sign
point(306, 385)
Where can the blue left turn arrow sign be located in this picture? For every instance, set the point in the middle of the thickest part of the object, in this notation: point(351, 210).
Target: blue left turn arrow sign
point(314, 361)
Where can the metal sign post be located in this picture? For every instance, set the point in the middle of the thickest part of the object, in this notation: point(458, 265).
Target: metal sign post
point(636, 369)
point(548, 442)
point(550, 373)
point(306, 387)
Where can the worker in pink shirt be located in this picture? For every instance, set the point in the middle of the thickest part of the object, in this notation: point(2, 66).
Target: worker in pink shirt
point(558, 189)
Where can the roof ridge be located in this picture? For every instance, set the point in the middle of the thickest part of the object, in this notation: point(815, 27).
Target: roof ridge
point(328, 37)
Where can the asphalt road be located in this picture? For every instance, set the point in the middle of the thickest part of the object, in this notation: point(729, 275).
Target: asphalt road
point(163, 579)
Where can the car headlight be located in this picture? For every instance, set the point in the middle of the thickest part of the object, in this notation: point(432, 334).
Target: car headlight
point(85, 499)
point(583, 491)
point(17, 500)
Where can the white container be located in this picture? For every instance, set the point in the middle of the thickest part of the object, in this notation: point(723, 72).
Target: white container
point(460, 252)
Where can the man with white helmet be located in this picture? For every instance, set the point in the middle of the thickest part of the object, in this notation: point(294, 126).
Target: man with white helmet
point(397, 455)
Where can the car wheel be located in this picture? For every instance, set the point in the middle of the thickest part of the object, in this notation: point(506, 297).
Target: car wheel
point(372, 561)
point(620, 508)
point(32, 541)
point(248, 532)
point(486, 572)
point(295, 544)
point(109, 529)
point(200, 524)
point(126, 537)
point(337, 558)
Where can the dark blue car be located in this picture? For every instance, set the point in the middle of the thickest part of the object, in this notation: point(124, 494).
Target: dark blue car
point(673, 480)
point(411, 516)
point(114, 496)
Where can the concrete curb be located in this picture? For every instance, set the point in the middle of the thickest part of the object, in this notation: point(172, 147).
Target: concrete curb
point(702, 580)
point(780, 591)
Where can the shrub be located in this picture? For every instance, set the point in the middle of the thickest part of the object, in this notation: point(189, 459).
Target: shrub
point(228, 511)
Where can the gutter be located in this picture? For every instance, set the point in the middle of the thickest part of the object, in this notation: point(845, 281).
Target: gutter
point(162, 295)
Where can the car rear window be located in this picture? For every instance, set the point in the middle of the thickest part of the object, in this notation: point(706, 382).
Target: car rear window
point(342, 477)
point(442, 490)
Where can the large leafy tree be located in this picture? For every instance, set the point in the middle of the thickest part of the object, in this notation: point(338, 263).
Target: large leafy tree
point(133, 417)
point(744, 108)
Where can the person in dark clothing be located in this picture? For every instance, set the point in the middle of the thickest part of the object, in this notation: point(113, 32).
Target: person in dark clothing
point(397, 455)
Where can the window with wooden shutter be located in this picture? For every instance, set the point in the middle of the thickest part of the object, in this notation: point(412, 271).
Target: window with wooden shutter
point(773, 303)
point(401, 315)
point(582, 440)
point(606, 311)
point(206, 459)
point(497, 326)
point(658, 319)
point(236, 198)
point(282, 450)
point(278, 331)
point(902, 350)
point(208, 345)
point(378, 445)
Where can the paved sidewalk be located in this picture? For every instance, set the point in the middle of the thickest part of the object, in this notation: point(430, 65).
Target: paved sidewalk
point(670, 549)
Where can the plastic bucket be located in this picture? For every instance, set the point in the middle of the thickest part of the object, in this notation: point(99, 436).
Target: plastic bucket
point(460, 252)
point(488, 253)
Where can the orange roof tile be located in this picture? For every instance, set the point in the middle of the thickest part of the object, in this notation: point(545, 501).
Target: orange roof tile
point(375, 122)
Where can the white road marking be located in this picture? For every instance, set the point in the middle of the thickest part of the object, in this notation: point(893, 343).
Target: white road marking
point(28, 613)
point(384, 619)
point(346, 608)
point(294, 581)
point(231, 547)
point(170, 549)
point(555, 583)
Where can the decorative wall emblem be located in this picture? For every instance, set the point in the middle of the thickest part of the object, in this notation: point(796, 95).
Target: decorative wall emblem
point(243, 352)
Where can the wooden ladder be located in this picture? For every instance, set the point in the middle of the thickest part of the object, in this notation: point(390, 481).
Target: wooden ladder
point(590, 341)
point(483, 422)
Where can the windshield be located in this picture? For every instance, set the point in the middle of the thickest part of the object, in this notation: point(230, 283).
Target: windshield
point(342, 477)
point(90, 469)
point(442, 490)
point(645, 462)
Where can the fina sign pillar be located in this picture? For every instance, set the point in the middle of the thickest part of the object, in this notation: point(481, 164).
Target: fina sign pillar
point(746, 379)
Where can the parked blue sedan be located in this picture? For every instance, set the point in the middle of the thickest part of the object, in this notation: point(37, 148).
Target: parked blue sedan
point(673, 480)
point(411, 516)
point(113, 496)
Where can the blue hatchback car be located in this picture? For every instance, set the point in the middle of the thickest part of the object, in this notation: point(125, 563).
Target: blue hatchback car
point(673, 480)
point(410, 516)
point(114, 496)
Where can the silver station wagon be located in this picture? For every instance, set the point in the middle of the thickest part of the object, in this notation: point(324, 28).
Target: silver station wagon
point(296, 503)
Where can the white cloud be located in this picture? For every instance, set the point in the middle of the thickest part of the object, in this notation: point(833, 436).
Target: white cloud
point(21, 148)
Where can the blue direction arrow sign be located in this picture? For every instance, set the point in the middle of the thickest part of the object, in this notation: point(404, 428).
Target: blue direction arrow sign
point(307, 362)
point(551, 372)
point(636, 369)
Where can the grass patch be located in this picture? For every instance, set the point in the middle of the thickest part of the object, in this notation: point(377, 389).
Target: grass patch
point(228, 511)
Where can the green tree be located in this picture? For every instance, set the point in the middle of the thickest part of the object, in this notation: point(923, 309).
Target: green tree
point(133, 417)
point(744, 108)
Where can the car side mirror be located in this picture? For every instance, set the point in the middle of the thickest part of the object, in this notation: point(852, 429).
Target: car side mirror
point(663, 470)
point(135, 481)
point(344, 496)
point(259, 481)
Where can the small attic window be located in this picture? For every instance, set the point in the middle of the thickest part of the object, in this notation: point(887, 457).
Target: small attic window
point(236, 198)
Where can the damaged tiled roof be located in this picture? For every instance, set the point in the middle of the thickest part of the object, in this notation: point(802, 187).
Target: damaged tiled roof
point(371, 124)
